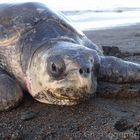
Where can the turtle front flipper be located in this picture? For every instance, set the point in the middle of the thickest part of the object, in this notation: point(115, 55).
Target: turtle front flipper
point(118, 78)
point(10, 92)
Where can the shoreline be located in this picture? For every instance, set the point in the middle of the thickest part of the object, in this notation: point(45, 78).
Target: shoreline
point(136, 25)
point(112, 28)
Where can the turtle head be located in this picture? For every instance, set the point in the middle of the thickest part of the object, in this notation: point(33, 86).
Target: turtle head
point(64, 74)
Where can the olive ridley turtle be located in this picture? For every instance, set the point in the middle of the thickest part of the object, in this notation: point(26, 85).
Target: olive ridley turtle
point(43, 53)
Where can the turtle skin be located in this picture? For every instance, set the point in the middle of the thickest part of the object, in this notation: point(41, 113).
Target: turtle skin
point(10, 92)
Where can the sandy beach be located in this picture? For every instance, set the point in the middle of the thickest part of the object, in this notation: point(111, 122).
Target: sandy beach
point(96, 119)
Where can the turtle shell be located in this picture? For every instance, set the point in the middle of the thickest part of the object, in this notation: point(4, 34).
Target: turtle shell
point(16, 19)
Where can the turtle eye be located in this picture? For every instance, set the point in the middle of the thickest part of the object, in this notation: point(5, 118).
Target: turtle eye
point(56, 66)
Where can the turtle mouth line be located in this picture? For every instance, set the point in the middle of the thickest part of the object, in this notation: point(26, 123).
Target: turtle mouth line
point(65, 96)
point(71, 93)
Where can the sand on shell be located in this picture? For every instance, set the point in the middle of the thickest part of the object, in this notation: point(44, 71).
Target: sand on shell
point(96, 119)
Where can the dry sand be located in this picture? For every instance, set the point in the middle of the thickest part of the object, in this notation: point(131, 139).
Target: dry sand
point(96, 119)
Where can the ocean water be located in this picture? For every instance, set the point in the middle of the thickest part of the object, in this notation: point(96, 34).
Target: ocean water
point(96, 14)
point(99, 14)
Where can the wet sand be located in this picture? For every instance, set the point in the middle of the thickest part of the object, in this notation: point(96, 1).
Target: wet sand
point(96, 119)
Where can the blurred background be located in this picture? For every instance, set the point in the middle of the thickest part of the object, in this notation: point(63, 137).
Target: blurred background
point(96, 14)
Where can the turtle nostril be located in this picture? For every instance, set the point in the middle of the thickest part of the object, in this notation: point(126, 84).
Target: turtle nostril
point(84, 71)
point(88, 70)
point(81, 71)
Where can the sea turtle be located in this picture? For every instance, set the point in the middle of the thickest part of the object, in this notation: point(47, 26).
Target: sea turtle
point(43, 53)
